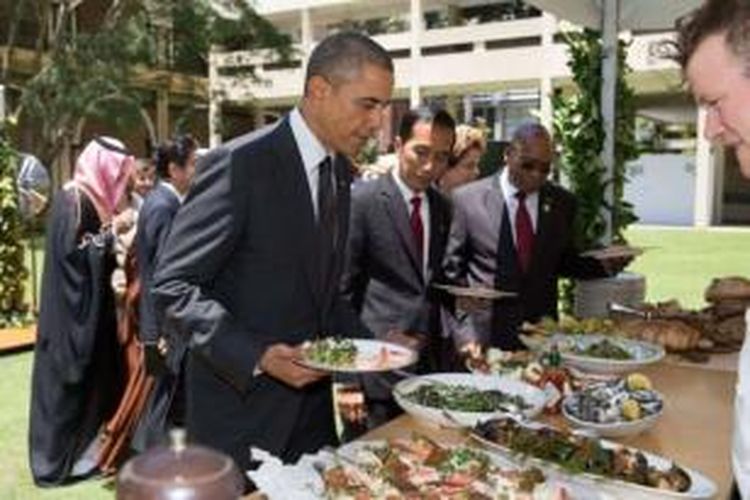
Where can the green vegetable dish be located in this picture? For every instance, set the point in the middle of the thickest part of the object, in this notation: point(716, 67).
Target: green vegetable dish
point(330, 351)
point(466, 398)
point(580, 454)
point(603, 349)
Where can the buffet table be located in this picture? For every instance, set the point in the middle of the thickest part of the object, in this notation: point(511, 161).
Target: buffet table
point(695, 429)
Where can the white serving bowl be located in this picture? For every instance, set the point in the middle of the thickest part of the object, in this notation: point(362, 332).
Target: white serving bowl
point(617, 429)
point(533, 396)
point(644, 353)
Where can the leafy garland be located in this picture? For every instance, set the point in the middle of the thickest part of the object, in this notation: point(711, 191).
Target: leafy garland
point(13, 273)
point(579, 129)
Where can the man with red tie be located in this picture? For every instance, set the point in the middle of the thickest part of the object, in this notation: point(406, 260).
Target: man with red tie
point(398, 230)
point(513, 231)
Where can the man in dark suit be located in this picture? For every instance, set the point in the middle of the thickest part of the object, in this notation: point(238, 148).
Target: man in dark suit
point(513, 231)
point(174, 162)
point(398, 230)
point(252, 265)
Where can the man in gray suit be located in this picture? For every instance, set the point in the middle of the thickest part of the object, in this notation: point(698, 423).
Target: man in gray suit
point(399, 227)
point(513, 231)
point(253, 261)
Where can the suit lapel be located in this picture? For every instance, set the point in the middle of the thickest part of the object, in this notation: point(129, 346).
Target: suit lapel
point(494, 201)
point(342, 182)
point(438, 231)
point(543, 226)
point(507, 272)
point(295, 190)
point(396, 209)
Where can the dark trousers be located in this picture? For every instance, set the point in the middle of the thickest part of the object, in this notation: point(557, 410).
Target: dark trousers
point(734, 494)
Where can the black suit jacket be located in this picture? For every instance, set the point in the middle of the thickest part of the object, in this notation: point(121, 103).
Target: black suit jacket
point(239, 273)
point(154, 222)
point(385, 279)
point(481, 252)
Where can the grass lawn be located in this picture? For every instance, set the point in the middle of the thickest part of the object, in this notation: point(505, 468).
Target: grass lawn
point(679, 263)
point(15, 478)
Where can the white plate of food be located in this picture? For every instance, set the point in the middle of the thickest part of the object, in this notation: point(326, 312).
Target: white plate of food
point(475, 292)
point(613, 252)
point(419, 467)
point(348, 355)
point(617, 472)
point(495, 361)
point(606, 354)
point(617, 408)
point(463, 399)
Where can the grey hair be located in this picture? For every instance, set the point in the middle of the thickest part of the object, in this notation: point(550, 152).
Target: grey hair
point(340, 57)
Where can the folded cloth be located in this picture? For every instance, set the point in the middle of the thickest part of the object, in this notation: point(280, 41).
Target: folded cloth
point(301, 481)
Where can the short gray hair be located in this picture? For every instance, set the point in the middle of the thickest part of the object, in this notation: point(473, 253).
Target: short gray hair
point(340, 57)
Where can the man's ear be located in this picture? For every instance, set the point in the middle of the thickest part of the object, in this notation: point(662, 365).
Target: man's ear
point(172, 169)
point(397, 144)
point(318, 87)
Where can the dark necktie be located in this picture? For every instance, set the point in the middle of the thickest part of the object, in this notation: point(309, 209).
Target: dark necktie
point(524, 233)
point(326, 219)
point(417, 227)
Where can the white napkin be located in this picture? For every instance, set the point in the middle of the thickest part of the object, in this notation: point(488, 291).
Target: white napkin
point(300, 481)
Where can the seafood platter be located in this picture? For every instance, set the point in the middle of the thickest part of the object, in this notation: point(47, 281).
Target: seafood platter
point(616, 408)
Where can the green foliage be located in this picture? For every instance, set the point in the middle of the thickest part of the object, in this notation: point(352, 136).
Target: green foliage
point(197, 27)
point(80, 71)
point(83, 72)
point(579, 128)
point(13, 273)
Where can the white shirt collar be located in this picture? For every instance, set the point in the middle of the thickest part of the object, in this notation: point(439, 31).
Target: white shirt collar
point(311, 149)
point(173, 189)
point(510, 190)
point(407, 192)
point(509, 194)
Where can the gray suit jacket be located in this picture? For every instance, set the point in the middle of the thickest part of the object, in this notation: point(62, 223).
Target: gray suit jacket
point(384, 277)
point(481, 252)
point(385, 280)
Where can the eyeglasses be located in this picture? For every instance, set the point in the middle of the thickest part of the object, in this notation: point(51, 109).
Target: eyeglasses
point(533, 165)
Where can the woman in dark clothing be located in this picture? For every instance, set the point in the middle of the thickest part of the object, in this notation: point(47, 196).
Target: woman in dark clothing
point(76, 379)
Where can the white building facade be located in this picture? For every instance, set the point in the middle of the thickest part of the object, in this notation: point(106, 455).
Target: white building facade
point(498, 61)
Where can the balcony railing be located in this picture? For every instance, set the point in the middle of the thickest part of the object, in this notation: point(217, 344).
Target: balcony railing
point(492, 55)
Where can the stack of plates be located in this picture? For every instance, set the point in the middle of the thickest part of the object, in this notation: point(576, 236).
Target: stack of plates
point(592, 296)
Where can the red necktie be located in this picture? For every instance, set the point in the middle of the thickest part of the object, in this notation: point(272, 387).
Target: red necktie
point(416, 225)
point(524, 233)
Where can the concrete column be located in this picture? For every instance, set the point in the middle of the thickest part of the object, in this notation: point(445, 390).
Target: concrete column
point(214, 99)
point(610, 18)
point(162, 115)
point(468, 109)
point(499, 129)
point(258, 116)
point(415, 97)
point(2, 103)
point(705, 177)
point(545, 83)
point(307, 31)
